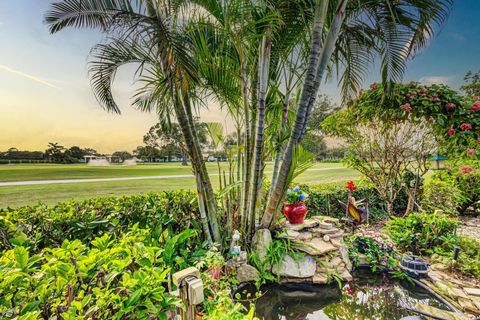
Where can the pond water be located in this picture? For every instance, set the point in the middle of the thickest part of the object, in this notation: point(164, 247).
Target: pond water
point(372, 297)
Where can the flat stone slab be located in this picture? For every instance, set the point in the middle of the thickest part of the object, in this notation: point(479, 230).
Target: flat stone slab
point(288, 234)
point(320, 278)
point(307, 224)
point(300, 267)
point(315, 247)
point(472, 291)
point(326, 219)
point(439, 312)
point(321, 231)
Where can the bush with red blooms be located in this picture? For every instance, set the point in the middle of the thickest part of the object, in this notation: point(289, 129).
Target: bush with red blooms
point(455, 119)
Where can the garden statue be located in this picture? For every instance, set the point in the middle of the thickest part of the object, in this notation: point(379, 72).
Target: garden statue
point(239, 256)
point(352, 207)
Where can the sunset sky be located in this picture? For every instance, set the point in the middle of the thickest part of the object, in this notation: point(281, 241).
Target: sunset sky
point(45, 94)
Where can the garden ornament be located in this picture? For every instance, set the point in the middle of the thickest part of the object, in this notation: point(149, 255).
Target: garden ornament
point(352, 207)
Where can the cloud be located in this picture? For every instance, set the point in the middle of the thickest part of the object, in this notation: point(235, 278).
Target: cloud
point(29, 76)
point(434, 80)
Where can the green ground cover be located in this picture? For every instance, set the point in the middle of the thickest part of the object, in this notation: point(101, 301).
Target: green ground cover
point(14, 196)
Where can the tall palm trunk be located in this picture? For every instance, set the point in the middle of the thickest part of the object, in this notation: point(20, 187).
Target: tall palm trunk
point(210, 197)
point(256, 184)
point(316, 69)
point(279, 152)
point(185, 120)
point(247, 157)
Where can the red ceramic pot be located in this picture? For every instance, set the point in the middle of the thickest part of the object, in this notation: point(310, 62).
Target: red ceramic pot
point(295, 213)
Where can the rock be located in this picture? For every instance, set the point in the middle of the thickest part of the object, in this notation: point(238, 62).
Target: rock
point(346, 276)
point(326, 238)
point(310, 223)
point(325, 225)
point(307, 224)
point(288, 234)
point(326, 219)
point(305, 236)
point(335, 262)
point(467, 304)
point(315, 247)
point(338, 234)
point(246, 273)
point(476, 301)
point(304, 267)
point(472, 291)
point(296, 280)
point(439, 312)
point(439, 266)
point(337, 242)
point(261, 241)
point(345, 257)
point(320, 278)
point(321, 232)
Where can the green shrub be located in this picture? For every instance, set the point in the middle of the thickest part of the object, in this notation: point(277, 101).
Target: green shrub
point(468, 261)
point(421, 232)
point(41, 226)
point(323, 199)
point(441, 194)
point(114, 278)
point(454, 191)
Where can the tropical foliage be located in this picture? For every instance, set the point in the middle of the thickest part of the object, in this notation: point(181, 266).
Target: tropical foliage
point(421, 232)
point(264, 62)
point(113, 278)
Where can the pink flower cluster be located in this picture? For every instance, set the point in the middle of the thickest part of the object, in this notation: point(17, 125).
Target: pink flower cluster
point(423, 92)
point(383, 240)
point(466, 169)
point(450, 106)
point(373, 86)
point(466, 126)
point(406, 106)
point(470, 152)
point(434, 98)
point(451, 132)
point(476, 106)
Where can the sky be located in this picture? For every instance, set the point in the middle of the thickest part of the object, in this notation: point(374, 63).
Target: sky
point(45, 94)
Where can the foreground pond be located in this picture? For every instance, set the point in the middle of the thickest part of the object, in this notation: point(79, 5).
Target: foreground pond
point(369, 297)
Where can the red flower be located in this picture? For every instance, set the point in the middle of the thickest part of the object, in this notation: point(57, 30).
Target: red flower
point(450, 106)
point(434, 98)
point(476, 106)
point(450, 132)
point(470, 152)
point(406, 106)
point(466, 126)
point(351, 186)
point(373, 86)
point(466, 169)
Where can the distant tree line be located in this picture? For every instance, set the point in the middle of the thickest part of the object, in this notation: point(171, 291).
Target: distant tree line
point(56, 153)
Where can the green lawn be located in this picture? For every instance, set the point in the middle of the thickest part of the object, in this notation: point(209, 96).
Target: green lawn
point(29, 172)
point(15, 196)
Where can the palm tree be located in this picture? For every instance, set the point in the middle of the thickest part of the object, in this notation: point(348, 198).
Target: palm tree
point(150, 34)
point(352, 34)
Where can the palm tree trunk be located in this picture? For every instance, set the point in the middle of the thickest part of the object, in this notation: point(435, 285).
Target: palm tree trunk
point(185, 120)
point(264, 67)
point(210, 197)
point(201, 206)
point(247, 157)
point(279, 152)
point(315, 71)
